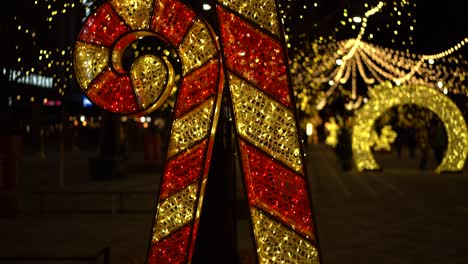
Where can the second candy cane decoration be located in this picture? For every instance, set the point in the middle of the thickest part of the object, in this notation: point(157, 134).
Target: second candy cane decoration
point(268, 136)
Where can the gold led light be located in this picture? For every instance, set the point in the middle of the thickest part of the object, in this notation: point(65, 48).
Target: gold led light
point(136, 13)
point(190, 128)
point(197, 47)
point(262, 12)
point(149, 76)
point(175, 211)
point(90, 61)
point(276, 243)
point(385, 97)
point(266, 123)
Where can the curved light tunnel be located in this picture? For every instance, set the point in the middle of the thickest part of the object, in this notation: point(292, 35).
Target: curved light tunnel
point(385, 97)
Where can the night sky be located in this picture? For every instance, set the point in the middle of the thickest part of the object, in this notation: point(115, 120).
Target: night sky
point(440, 24)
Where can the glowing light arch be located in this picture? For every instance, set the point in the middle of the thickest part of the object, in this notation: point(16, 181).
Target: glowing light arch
point(385, 97)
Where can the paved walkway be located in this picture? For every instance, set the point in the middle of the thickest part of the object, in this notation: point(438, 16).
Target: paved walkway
point(398, 215)
point(66, 214)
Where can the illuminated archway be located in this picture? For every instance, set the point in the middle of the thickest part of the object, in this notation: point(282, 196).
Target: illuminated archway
point(384, 97)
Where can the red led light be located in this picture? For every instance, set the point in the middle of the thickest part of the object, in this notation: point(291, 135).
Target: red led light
point(172, 249)
point(276, 189)
point(197, 87)
point(183, 170)
point(113, 92)
point(254, 55)
point(103, 27)
point(172, 19)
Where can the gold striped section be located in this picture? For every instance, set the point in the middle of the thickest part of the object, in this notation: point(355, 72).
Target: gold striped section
point(90, 60)
point(197, 47)
point(175, 212)
point(149, 77)
point(191, 127)
point(261, 12)
point(136, 13)
point(265, 122)
point(278, 244)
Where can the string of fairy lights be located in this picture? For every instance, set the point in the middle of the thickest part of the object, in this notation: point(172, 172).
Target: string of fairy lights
point(55, 8)
point(322, 69)
point(313, 62)
point(36, 53)
point(327, 21)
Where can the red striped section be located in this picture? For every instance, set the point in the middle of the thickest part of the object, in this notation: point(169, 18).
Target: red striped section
point(254, 55)
point(103, 27)
point(113, 92)
point(171, 250)
point(276, 189)
point(183, 170)
point(172, 19)
point(197, 87)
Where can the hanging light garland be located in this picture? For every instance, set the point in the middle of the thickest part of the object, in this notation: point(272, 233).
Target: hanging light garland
point(320, 68)
point(377, 64)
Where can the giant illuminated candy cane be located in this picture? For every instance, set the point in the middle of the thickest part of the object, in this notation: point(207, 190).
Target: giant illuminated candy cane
point(184, 53)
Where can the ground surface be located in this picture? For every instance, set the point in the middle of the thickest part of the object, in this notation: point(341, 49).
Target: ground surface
point(398, 215)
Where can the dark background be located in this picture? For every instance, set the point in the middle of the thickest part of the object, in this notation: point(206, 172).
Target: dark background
point(404, 215)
